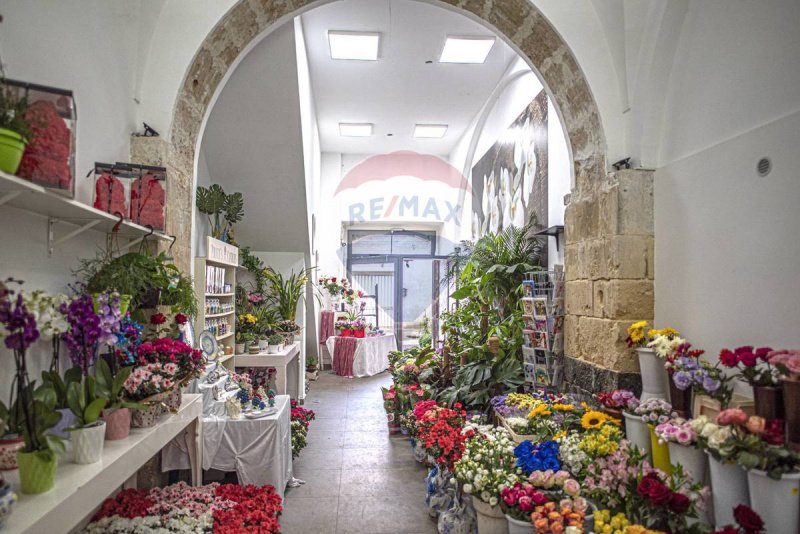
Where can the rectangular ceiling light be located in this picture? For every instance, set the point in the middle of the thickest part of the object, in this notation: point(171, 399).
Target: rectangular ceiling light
point(466, 49)
point(354, 45)
point(352, 129)
point(430, 131)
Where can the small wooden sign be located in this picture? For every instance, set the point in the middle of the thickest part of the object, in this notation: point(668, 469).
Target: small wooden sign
point(220, 252)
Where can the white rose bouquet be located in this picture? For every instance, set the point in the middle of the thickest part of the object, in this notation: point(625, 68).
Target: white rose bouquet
point(487, 465)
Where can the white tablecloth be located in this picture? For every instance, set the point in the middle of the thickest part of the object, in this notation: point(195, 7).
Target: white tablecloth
point(372, 353)
point(259, 450)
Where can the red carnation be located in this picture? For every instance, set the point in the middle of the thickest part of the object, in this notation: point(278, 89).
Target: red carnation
point(158, 318)
point(181, 318)
point(748, 359)
point(679, 503)
point(333, 278)
point(748, 519)
point(728, 358)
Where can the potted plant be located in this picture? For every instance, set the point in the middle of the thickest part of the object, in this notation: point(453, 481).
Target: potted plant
point(652, 346)
point(287, 292)
point(33, 409)
point(788, 364)
point(654, 412)
point(359, 328)
point(240, 343)
point(213, 202)
point(15, 130)
point(89, 432)
point(275, 342)
point(117, 411)
point(60, 387)
point(312, 371)
point(754, 368)
point(680, 436)
point(344, 328)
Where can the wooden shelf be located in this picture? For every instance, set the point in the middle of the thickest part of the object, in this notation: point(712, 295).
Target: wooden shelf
point(22, 194)
point(213, 315)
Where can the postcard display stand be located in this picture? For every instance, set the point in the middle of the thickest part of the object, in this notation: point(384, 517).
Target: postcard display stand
point(543, 334)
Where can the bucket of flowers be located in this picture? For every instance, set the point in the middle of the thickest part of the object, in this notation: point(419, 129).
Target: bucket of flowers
point(654, 412)
point(755, 368)
point(689, 373)
point(681, 439)
point(616, 402)
point(652, 346)
point(518, 502)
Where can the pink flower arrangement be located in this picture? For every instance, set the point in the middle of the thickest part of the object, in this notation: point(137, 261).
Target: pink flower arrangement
point(676, 431)
point(608, 477)
point(787, 362)
point(520, 500)
point(550, 479)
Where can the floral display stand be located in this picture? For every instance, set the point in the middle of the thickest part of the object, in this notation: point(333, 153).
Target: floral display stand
point(776, 501)
point(63, 508)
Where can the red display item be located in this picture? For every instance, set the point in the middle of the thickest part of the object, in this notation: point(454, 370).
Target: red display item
point(109, 194)
point(46, 157)
point(148, 198)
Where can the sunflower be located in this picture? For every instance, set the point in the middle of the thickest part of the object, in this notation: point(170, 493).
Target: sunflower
point(563, 407)
point(540, 409)
point(593, 420)
point(559, 435)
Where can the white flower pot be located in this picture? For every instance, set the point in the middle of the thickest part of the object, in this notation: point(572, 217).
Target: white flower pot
point(262, 344)
point(87, 443)
point(638, 433)
point(240, 348)
point(728, 489)
point(491, 519)
point(693, 460)
point(776, 501)
point(273, 349)
point(655, 380)
point(515, 526)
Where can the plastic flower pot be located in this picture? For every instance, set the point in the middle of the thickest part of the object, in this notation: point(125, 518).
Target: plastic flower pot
point(118, 423)
point(124, 303)
point(11, 148)
point(87, 443)
point(491, 519)
point(693, 460)
point(8, 452)
point(37, 471)
point(240, 348)
point(67, 420)
point(654, 376)
point(660, 452)
point(515, 526)
point(637, 433)
point(263, 344)
point(728, 489)
point(359, 333)
point(346, 332)
point(776, 501)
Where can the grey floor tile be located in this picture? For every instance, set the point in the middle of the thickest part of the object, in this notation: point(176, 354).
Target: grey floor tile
point(408, 481)
point(318, 483)
point(319, 459)
point(365, 440)
point(389, 457)
point(383, 515)
point(324, 439)
point(309, 515)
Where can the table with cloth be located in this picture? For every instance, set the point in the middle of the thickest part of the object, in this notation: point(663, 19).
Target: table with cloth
point(259, 450)
point(359, 357)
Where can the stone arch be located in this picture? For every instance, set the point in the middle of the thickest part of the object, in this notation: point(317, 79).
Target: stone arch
point(522, 25)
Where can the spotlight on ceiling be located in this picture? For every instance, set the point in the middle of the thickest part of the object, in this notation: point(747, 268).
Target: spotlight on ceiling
point(466, 49)
point(353, 129)
point(361, 46)
point(430, 131)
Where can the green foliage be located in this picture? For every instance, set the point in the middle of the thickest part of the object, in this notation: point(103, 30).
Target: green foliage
point(59, 385)
point(254, 266)
point(275, 339)
point(286, 293)
point(213, 202)
point(478, 381)
point(84, 402)
point(109, 386)
point(425, 335)
point(12, 111)
point(138, 274)
point(41, 407)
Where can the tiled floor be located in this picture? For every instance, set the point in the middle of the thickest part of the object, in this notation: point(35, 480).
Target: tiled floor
point(358, 479)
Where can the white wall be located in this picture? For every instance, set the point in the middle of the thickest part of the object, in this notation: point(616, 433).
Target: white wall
point(726, 245)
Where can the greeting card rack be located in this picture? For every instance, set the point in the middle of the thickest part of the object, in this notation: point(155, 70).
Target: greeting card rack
point(543, 333)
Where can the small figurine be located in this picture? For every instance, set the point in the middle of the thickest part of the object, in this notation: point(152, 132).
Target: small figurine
point(271, 397)
point(232, 408)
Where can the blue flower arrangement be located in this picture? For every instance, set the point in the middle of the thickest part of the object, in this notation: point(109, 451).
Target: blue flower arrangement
point(244, 398)
point(539, 457)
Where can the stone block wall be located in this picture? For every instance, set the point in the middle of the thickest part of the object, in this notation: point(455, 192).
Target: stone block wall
point(609, 277)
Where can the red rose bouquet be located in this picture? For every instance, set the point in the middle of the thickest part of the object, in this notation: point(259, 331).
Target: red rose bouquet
point(666, 502)
point(520, 500)
point(439, 430)
point(747, 522)
point(753, 365)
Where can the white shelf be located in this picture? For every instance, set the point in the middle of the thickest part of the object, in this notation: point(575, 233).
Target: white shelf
point(213, 315)
point(224, 336)
point(224, 358)
point(220, 294)
point(22, 194)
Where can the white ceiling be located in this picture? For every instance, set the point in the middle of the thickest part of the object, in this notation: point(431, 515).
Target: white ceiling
point(399, 89)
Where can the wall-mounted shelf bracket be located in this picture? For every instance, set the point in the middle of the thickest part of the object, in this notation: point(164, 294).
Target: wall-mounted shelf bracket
point(80, 225)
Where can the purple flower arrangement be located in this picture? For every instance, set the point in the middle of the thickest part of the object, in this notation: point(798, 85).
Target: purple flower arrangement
point(84, 332)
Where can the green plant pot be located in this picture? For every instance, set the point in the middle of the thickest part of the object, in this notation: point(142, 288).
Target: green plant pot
point(37, 472)
point(124, 303)
point(11, 148)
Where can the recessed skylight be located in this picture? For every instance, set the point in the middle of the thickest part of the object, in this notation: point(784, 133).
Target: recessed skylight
point(466, 49)
point(430, 131)
point(361, 46)
point(353, 129)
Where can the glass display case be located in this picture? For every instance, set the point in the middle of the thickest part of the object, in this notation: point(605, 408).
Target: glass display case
point(149, 196)
point(49, 157)
point(111, 189)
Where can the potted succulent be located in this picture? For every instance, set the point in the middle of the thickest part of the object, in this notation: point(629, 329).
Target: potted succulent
point(241, 348)
point(89, 432)
point(312, 371)
point(15, 130)
point(117, 411)
point(275, 342)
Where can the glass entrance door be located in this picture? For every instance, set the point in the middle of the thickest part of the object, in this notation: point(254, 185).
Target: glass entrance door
point(376, 277)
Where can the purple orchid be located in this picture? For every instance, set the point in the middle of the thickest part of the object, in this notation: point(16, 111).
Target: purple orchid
point(84, 333)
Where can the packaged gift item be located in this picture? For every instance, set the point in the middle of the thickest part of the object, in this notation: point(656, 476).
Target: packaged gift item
point(49, 157)
point(149, 197)
point(110, 193)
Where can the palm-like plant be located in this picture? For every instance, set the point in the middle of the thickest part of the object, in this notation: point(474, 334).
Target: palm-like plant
point(287, 292)
point(213, 201)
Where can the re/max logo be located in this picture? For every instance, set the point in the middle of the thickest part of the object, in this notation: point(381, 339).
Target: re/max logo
point(405, 206)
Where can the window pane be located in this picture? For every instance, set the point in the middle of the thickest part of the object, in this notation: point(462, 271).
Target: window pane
point(411, 244)
point(371, 243)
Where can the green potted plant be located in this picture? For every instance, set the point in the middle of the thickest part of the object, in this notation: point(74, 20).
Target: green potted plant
point(117, 411)
point(33, 408)
point(240, 343)
point(59, 386)
point(251, 340)
point(312, 371)
point(213, 202)
point(15, 130)
point(275, 343)
point(89, 431)
point(287, 292)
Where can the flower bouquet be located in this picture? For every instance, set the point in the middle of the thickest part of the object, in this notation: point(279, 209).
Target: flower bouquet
point(681, 437)
point(652, 346)
point(690, 373)
point(609, 478)
point(537, 457)
point(747, 522)
point(518, 502)
point(617, 401)
point(655, 412)
point(572, 457)
point(439, 430)
point(301, 419)
point(667, 502)
point(556, 484)
point(555, 518)
point(487, 464)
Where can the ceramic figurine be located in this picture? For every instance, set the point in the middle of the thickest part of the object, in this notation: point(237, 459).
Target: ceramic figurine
point(233, 408)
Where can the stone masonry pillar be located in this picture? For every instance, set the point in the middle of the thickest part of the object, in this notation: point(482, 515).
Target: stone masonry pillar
point(609, 278)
